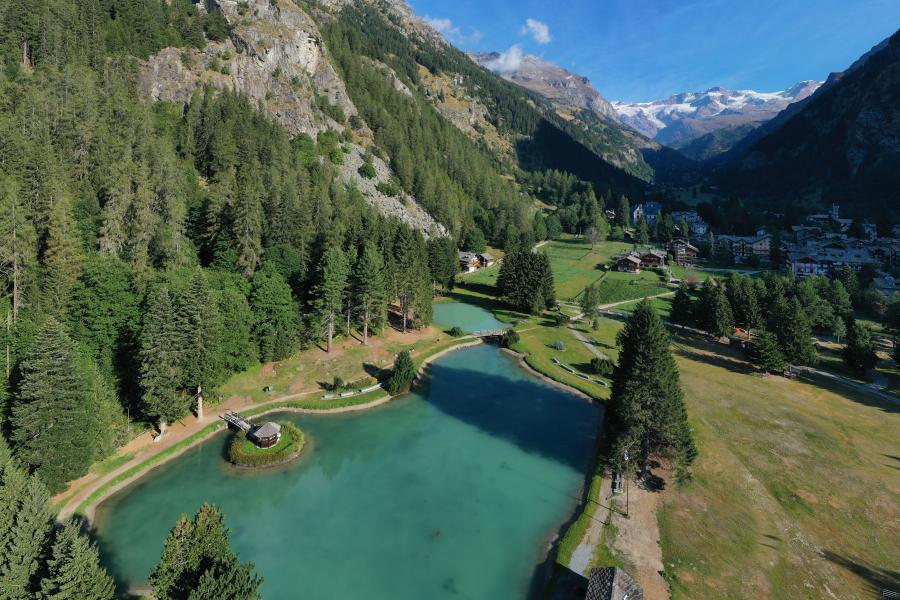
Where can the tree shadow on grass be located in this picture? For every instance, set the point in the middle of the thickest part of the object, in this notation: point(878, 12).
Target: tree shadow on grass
point(715, 360)
point(876, 578)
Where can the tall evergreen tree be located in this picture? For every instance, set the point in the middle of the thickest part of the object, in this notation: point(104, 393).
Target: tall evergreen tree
point(717, 317)
point(17, 244)
point(25, 551)
point(794, 333)
point(859, 351)
point(682, 307)
point(412, 280)
point(56, 417)
point(766, 354)
point(274, 315)
point(329, 291)
point(623, 214)
point(161, 356)
point(63, 258)
point(198, 563)
point(402, 375)
point(647, 404)
point(73, 568)
point(643, 232)
point(368, 283)
point(443, 261)
point(201, 328)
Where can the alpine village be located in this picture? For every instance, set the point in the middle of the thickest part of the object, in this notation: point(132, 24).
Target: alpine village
point(318, 299)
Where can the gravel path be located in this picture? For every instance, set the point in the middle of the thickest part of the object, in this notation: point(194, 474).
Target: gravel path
point(581, 557)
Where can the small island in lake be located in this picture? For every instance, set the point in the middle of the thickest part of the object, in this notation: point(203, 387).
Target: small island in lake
point(268, 445)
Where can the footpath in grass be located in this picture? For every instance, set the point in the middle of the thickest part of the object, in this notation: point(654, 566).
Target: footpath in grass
point(796, 492)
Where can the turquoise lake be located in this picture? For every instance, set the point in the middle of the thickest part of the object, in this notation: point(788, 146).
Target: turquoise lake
point(468, 317)
point(451, 492)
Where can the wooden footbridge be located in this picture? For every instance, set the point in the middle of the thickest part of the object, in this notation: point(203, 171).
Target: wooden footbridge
point(236, 420)
point(487, 333)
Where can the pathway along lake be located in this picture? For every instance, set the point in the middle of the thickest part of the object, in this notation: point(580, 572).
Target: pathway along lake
point(450, 492)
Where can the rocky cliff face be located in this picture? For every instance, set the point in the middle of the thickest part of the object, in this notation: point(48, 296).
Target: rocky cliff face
point(562, 87)
point(275, 55)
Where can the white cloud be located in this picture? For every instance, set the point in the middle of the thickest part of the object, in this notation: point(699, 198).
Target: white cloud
point(538, 30)
point(453, 32)
point(507, 61)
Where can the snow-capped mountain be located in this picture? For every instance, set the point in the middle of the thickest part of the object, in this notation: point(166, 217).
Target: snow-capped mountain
point(682, 118)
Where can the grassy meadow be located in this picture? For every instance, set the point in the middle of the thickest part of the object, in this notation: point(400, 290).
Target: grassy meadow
point(796, 492)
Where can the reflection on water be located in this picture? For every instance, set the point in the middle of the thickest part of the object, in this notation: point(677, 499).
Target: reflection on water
point(450, 493)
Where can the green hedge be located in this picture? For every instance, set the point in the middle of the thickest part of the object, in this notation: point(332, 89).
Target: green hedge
point(245, 453)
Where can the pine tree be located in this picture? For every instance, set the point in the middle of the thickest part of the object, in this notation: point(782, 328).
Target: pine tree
point(766, 354)
point(198, 563)
point(162, 356)
point(56, 420)
point(201, 328)
point(716, 311)
point(63, 258)
point(402, 375)
point(742, 298)
point(682, 307)
point(17, 244)
point(274, 315)
point(368, 283)
point(248, 220)
point(25, 550)
point(412, 280)
point(623, 214)
point(859, 351)
point(328, 293)
point(73, 568)
point(643, 232)
point(794, 333)
point(647, 404)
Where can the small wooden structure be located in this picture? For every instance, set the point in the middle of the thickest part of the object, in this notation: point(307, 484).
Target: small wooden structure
point(266, 435)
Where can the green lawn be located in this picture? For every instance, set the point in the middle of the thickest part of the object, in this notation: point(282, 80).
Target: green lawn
point(796, 492)
point(575, 266)
point(617, 286)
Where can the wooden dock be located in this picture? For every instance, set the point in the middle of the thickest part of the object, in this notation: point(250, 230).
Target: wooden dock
point(236, 420)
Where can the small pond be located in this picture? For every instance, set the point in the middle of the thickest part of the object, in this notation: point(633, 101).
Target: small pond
point(451, 492)
point(466, 316)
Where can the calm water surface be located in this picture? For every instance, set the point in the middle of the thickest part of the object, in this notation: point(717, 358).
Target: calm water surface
point(466, 316)
point(452, 492)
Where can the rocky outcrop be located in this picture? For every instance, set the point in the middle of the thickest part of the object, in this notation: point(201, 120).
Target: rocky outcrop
point(274, 55)
point(402, 206)
point(560, 86)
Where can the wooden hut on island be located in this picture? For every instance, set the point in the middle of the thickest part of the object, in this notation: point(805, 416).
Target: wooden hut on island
point(266, 435)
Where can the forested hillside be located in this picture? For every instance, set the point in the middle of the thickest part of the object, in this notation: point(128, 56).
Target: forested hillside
point(148, 250)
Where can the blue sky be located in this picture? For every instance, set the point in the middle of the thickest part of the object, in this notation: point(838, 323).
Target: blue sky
point(647, 49)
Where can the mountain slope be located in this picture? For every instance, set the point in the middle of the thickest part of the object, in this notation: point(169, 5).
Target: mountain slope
point(560, 86)
point(843, 142)
point(680, 119)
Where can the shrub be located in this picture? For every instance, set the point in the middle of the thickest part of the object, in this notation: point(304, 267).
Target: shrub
point(559, 346)
point(403, 374)
point(457, 331)
point(510, 337)
point(337, 384)
point(602, 366)
point(561, 319)
point(245, 453)
point(368, 171)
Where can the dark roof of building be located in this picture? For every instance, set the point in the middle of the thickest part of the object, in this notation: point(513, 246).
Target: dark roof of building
point(267, 430)
point(486, 256)
point(631, 258)
point(612, 583)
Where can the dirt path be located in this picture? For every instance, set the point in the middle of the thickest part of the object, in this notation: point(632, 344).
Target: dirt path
point(584, 552)
point(637, 541)
point(613, 304)
point(587, 344)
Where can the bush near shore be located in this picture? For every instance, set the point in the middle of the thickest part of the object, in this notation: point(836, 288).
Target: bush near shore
point(244, 453)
